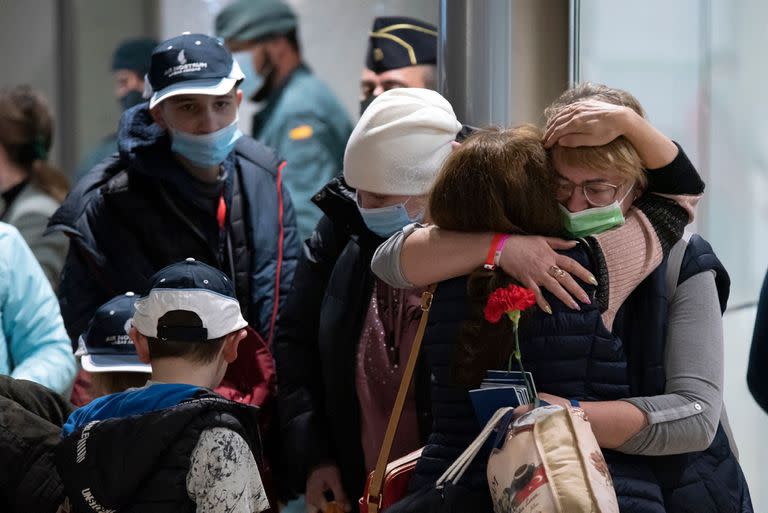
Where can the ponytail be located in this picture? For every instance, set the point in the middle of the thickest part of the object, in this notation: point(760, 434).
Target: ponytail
point(49, 179)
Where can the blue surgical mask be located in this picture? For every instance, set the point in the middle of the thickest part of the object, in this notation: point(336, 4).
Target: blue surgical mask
point(253, 80)
point(592, 221)
point(385, 221)
point(208, 149)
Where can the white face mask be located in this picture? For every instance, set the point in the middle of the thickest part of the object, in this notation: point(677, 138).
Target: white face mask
point(592, 221)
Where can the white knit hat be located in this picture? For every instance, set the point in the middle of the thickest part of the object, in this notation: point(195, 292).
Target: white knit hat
point(400, 142)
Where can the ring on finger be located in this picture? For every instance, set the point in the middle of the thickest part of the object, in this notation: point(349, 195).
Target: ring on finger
point(556, 272)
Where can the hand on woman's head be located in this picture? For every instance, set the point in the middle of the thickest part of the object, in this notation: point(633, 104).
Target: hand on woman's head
point(588, 122)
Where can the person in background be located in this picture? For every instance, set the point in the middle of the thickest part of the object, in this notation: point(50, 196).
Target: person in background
point(31, 187)
point(130, 63)
point(33, 342)
point(172, 445)
point(107, 353)
point(402, 52)
point(758, 354)
point(346, 335)
point(301, 118)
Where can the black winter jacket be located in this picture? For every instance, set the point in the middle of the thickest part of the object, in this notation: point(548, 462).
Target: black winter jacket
point(139, 463)
point(136, 213)
point(31, 417)
point(316, 347)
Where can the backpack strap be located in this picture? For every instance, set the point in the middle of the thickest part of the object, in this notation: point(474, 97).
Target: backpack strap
point(674, 261)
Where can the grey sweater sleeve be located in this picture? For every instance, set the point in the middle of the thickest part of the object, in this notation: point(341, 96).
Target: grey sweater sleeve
point(386, 259)
point(686, 417)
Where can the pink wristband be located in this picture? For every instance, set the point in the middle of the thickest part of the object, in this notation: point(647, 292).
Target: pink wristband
point(498, 247)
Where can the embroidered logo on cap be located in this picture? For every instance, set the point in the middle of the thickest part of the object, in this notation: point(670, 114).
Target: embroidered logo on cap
point(184, 66)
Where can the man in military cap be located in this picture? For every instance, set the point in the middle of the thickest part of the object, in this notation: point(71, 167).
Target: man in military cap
point(301, 118)
point(402, 52)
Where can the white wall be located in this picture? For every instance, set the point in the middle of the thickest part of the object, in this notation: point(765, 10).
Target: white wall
point(28, 41)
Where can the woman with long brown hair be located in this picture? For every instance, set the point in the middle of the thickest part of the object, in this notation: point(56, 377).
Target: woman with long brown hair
point(31, 187)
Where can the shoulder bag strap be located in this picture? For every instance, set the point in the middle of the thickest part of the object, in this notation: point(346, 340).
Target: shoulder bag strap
point(374, 491)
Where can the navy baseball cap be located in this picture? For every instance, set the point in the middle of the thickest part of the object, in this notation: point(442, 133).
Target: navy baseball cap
point(202, 292)
point(190, 64)
point(105, 346)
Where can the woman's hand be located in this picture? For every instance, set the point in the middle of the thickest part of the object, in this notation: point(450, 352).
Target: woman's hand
point(595, 123)
point(588, 123)
point(533, 262)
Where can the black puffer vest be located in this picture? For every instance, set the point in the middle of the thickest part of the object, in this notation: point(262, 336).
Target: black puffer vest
point(588, 364)
point(140, 463)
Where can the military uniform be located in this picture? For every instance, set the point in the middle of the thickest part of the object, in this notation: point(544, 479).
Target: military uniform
point(302, 119)
point(306, 125)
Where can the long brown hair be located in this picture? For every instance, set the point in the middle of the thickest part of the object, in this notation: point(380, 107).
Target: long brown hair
point(26, 135)
point(498, 180)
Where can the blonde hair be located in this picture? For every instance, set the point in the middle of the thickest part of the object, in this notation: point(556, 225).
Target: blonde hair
point(618, 156)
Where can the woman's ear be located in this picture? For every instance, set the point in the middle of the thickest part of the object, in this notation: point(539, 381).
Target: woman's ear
point(455, 145)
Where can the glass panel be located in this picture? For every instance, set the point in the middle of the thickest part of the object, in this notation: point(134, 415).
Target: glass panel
point(698, 68)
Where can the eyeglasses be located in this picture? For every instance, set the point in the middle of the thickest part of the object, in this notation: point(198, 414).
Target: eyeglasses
point(597, 194)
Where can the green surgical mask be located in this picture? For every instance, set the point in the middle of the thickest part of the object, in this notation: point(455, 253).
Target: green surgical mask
point(594, 220)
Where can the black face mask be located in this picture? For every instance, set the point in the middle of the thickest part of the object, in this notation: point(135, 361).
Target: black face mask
point(365, 102)
point(131, 99)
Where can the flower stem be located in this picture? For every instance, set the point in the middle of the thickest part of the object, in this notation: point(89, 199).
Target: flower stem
point(516, 353)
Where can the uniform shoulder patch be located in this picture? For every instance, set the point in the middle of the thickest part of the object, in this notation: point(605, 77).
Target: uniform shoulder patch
point(300, 132)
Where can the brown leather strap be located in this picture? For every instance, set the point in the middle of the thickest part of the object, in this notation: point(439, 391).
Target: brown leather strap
point(374, 491)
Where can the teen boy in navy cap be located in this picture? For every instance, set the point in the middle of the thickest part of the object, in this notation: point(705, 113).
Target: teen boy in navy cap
point(186, 183)
point(172, 445)
point(402, 52)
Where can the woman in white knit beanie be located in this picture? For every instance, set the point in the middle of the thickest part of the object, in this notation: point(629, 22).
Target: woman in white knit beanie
point(347, 334)
point(395, 153)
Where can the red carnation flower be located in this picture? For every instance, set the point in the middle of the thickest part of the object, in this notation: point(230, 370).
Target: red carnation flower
point(506, 300)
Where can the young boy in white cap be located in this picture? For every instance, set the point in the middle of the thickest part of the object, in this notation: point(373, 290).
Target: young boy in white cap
point(172, 445)
point(346, 335)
